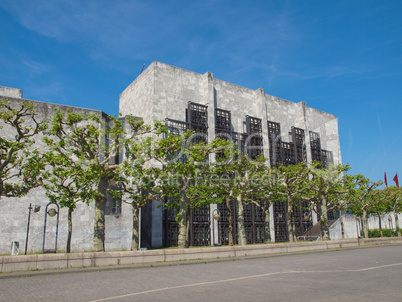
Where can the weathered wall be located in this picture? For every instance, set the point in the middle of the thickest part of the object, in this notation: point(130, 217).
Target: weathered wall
point(351, 227)
point(163, 91)
point(10, 92)
point(14, 211)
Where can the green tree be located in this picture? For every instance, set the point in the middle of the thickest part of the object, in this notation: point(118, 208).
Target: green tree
point(393, 201)
point(93, 144)
point(264, 193)
point(137, 176)
point(361, 198)
point(328, 187)
point(65, 184)
point(184, 162)
point(20, 164)
point(290, 188)
point(380, 204)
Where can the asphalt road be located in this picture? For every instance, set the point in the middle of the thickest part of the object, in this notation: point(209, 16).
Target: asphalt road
point(361, 274)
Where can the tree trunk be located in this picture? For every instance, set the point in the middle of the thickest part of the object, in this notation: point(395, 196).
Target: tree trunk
point(342, 226)
point(365, 223)
point(182, 220)
point(188, 213)
point(324, 228)
point(100, 205)
point(379, 224)
point(240, 221)
point(230, 216)
point(289, 220)
point(70, 228)
point(135, 242)
point(267, 227)
point(398, 230)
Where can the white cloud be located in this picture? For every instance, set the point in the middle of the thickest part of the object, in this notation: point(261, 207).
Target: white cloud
point(150, 29)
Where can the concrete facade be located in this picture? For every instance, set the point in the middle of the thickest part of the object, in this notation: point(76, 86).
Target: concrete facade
point(14, 211)
point(160, 92)
point(163, 91)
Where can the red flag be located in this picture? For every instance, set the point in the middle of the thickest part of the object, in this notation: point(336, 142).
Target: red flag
point(385, 178)
point(396, 180)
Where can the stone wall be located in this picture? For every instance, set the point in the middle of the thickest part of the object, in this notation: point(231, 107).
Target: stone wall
point(14, 211)
point(351, 227)
point(163, 91)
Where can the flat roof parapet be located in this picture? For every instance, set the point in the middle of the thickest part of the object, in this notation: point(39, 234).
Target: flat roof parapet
point(10, 92)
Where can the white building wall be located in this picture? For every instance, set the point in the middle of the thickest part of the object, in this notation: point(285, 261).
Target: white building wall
point(14, 211)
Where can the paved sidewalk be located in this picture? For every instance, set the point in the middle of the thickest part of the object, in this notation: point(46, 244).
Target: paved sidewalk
point(21, 274)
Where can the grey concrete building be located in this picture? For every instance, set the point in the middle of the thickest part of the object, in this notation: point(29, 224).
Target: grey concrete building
point(282, 130)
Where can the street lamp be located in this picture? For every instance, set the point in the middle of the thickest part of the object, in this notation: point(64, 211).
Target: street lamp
point(52, 211)
point(216, 215)
point(36, 210)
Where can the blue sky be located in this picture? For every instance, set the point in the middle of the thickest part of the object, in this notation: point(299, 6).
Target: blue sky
point(342, 57)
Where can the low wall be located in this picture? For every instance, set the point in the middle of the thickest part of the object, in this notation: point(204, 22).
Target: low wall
point(81, 260)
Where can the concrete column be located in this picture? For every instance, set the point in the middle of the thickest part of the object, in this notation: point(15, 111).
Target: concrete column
point(214, 225)
point(272, 222)
point(211, 102)
point(260, 95)
point(304, 125)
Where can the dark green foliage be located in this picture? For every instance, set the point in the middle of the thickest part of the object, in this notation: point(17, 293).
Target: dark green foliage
point(375, 233)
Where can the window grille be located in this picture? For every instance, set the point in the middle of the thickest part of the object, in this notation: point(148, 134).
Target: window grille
point(274, 137)
point(176, 127)
point(255, 143)
point(197, 115)
point(288, 154)
point(299, 145)
point(223, 122)
point(281, 232)
point(315, 146)
point(240, 140)
point(253, 125)
point(327, 158)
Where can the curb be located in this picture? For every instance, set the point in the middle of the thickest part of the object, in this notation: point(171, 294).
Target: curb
point(30, 265)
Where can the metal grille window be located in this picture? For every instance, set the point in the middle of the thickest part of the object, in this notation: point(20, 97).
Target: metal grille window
point(196, 120)
point(301, 218)
point(300, 147)
point(223, 122)
point(253, 125)
point(254, 222)
point(254, 142)
point(318, 154)
point(200, 227)
point(176, 127)
point(197, 115)
point(240, 140)
point(223, 222)
point(326, 158)
point(281, 232)
point(288, 154)
point(315, 145)
point(274, 137)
